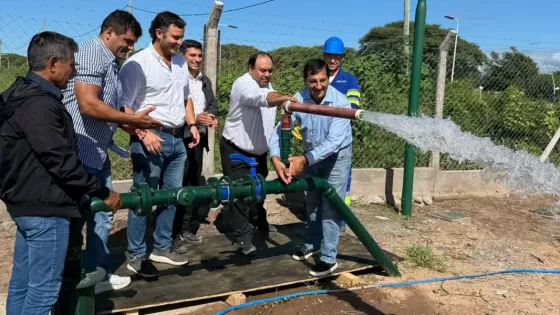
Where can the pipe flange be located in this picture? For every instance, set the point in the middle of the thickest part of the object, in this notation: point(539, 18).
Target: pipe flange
point(144, 198)
point(217, 187)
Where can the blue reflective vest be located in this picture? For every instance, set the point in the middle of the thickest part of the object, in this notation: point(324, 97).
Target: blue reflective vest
point(348, 85)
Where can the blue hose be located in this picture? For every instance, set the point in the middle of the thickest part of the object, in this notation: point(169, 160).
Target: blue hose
point(384, 285)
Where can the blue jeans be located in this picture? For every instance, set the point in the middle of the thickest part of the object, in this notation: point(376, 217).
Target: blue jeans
point(159, 171)
point(99, 227)
point(39, 254)
point(323, 220)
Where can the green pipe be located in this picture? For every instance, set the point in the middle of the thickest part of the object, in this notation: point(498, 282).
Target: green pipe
point(286, 135)
point(414, 98)
point(313, 183)
point(245, 189)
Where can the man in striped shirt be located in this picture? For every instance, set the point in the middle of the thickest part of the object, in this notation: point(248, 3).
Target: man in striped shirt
point(91, 100)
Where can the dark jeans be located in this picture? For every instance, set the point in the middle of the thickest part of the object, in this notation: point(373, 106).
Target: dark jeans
point(39, 254)
point(187, 219)
point(244, 217)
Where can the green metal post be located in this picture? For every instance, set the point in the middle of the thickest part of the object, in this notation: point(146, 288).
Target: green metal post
point(71, 300)
point(414, 98)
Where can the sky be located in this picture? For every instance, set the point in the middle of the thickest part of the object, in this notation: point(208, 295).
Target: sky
point(494, 25)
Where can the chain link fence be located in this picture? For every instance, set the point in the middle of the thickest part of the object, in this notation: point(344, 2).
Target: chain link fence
point(384, 80)
point(502, 95)
point(508, 99)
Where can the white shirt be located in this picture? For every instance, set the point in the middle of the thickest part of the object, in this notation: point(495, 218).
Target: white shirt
point(198, 98)
point(250, 122)
point(147, 81)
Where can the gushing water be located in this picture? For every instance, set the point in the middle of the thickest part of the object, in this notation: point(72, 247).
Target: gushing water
point(518, 170)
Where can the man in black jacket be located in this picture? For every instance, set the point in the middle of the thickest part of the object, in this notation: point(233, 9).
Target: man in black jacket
point(43, 183)
point(186, 223)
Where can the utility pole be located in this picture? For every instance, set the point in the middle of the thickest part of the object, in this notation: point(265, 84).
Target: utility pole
point(406, 26)
point(129, 6)
point(211, 59)
point(44, 27)
point(440, 89)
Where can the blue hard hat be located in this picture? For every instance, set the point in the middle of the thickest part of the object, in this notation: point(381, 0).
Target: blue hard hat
point(334, 46)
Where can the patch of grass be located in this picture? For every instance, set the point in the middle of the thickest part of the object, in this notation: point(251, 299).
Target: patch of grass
point(388, 212)
point(422, 256)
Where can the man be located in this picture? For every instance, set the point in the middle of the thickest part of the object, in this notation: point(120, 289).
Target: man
point(344, 82)
point(187, 222)
point(43, 182)
point(91, 99)
point(327, 143)
point(248, 126)
point(157, 76)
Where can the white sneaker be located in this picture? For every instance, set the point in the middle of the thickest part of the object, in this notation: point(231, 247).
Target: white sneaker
point(113, 283)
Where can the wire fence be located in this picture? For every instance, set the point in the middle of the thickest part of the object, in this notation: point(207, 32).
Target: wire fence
point(503, 95)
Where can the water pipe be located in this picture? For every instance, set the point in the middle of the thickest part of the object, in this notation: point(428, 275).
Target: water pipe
point(77, 293)
point(250, 189)
point(286, 135)
point(323, 110)
point(384, 285)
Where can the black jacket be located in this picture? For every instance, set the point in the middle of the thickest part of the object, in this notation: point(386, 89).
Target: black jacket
point(41, 173)
point(210, 107)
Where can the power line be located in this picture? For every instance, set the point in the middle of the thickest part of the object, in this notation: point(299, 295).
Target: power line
point(301, 19)
point(512, 39)
point(246, 7)
point(57, 6)
point(292, 26)
point(203, 14)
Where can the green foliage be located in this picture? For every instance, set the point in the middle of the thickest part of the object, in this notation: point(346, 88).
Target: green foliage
point(11, 66)
point(389, 39)
point(422, 256)
point(511, 68)
point(513, 109)
point(120, 168)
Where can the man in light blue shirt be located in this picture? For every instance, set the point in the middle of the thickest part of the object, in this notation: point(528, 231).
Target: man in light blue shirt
point(327, 143)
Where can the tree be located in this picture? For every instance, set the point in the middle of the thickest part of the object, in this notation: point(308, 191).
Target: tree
point(388, 41)
point(11, 66)
point(508, 69)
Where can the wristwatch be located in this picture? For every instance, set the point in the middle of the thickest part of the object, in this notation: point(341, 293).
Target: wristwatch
point(191, 125)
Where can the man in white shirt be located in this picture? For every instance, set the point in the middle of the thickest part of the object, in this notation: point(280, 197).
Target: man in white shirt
point(157, 76)
point(187, 219)
point(249, 125)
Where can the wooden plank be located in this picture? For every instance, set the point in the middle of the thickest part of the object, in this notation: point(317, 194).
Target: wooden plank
point(216, 270)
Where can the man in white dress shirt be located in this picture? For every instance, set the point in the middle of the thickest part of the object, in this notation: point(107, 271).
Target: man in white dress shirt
point(249, 125)
point(157, 76)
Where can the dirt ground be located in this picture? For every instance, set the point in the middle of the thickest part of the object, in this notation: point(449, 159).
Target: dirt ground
point(499, 233)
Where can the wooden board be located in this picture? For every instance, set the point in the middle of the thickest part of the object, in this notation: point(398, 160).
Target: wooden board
point(216, 270)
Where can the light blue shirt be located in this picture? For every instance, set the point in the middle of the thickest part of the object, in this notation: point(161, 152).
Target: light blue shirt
point(322, 135)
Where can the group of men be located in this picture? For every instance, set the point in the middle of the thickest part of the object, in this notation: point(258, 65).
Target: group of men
point(57, 124)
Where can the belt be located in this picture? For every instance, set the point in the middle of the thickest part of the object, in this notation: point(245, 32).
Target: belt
point(173, 131)
point(249, 154)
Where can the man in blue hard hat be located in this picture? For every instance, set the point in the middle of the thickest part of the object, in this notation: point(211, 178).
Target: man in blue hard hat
point(344, 82)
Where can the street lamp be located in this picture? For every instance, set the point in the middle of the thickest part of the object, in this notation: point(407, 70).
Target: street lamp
point(554, 89)
point(455, 50)
point(227, 25)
